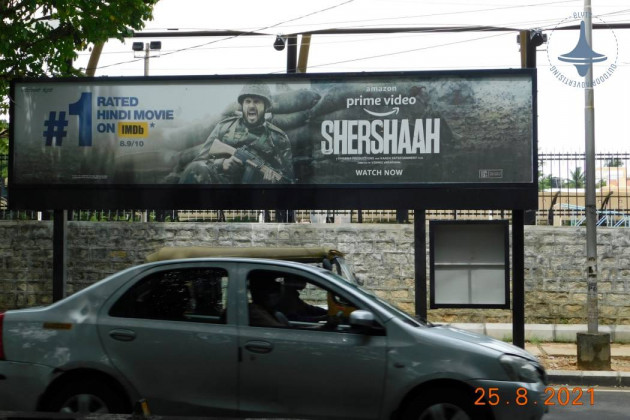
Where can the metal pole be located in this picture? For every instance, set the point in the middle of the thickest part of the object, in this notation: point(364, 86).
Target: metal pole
point(147, 50)
point(518, 278)
point(292, 54)
point(284, 216)
point(420, 263)
point(528, 60)
point(60, 224)
point(146, 58)
point(591, 209)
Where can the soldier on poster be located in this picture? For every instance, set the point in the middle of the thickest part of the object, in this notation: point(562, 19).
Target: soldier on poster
point(244, 149)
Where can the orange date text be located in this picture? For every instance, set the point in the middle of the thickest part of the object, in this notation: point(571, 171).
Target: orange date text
point(561, 396)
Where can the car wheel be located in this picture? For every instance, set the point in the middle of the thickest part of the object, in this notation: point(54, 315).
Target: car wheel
point(443, 404)
point(87, 397)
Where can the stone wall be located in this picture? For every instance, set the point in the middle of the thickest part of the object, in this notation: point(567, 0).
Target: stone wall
point(381, 255)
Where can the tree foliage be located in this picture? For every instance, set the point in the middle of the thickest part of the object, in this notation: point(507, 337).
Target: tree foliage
point(576, 179)
point(42, 38)
point(544, 182)
point(614, 163)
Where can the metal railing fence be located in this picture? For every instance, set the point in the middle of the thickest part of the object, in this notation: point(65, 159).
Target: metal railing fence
point(561, 182)
point(561, 189)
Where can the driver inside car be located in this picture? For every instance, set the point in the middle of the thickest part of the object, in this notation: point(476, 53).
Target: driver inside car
point(292, 305)
point(266, 293)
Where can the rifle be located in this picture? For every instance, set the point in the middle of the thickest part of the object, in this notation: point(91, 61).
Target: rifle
point(243, 155)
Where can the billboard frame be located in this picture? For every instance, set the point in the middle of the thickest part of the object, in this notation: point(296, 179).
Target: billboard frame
point(469, 195)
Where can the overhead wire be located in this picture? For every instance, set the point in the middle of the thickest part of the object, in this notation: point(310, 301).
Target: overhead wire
point(405, 51)
point(236, 36)
point(551, 23)
point(262, 29)
point(428, 15)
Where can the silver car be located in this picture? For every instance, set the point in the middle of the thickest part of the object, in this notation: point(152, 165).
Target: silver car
point(252, 337)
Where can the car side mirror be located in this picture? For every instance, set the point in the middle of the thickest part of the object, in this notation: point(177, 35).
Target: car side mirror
point(363, 319)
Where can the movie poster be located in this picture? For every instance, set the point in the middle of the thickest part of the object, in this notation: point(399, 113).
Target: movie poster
point(359, 129)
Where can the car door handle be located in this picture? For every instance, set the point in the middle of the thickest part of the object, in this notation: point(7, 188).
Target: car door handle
point(122, 335)
point(259, 346)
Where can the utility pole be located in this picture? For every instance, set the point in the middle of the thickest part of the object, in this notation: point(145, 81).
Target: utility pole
point(593, 348)
point(591, 209)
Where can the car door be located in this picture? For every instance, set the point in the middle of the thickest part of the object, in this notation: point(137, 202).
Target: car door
point(308, 368)
point(172, 334)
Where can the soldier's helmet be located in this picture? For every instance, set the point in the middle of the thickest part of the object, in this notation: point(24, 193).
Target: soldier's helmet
point(255, 89)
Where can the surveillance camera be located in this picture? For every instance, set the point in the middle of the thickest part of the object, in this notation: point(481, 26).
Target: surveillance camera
point(279, 43)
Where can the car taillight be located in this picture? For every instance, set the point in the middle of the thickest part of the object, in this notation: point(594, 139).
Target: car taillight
point(1, 346)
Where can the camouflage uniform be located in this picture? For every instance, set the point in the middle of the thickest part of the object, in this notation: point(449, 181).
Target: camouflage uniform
point(266, 141)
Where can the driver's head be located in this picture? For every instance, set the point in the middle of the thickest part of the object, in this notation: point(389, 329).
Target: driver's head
point(297, 283)
point(265, 290)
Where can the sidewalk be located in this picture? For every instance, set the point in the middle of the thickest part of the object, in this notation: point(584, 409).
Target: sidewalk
point(559, 340)
point(578, 377)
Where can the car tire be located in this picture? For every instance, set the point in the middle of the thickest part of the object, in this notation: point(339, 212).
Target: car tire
point(444, 404)
point(87, 397)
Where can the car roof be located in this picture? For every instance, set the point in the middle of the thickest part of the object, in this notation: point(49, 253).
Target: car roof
point(297, 254)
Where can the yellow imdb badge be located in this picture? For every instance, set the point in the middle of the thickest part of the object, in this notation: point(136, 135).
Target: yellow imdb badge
point(133, 130)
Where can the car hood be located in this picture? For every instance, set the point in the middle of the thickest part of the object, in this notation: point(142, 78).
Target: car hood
point(483, 340)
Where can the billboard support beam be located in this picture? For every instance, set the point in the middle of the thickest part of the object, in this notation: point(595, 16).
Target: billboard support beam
point(420, 263)
point(292, 54)
point(288, 216)
point(60, 225)
point(528, 41)
point(518, 278)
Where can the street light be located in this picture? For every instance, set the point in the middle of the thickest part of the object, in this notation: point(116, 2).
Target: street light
point(147, 47)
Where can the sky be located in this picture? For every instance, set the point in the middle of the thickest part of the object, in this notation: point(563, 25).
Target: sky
point(561, 107)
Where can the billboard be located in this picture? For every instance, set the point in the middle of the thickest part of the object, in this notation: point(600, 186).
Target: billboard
point(308, 141)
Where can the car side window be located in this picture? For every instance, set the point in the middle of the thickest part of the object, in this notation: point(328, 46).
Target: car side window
point(283, 300)
point(191, 294)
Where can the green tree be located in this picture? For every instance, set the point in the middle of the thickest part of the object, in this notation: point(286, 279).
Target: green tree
point(41, 38)
point(614, 163)
point(4, 137)
point(577, 179)
point(544, 182)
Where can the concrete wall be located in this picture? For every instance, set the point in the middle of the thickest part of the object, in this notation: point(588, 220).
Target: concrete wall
point(381, 254)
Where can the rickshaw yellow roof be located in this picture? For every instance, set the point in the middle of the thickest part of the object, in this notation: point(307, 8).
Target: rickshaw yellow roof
point(299, 254)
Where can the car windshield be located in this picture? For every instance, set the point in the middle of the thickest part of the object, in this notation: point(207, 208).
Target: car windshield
point(396, 312)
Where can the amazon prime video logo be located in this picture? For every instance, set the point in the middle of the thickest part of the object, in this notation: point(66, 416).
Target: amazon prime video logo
point(570, 54)
point(392, 103)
